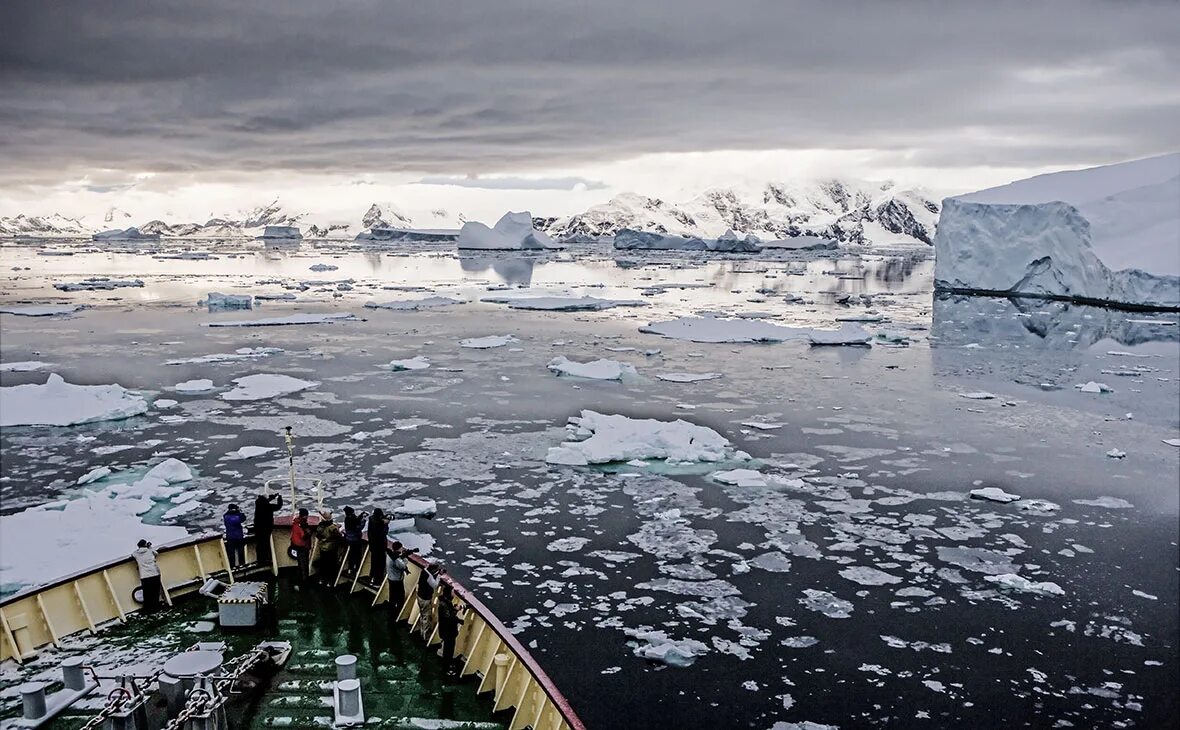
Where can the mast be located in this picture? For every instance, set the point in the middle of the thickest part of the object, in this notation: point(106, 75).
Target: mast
point(290, 439)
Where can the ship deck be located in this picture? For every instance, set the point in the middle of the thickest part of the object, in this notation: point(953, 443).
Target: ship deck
point(402, 680)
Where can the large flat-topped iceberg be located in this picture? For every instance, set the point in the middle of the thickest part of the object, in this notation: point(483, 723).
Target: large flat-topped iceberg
point(58, 403)
point(600, 438)
point(287, 233)
point(513, 232)
point(1108, 234)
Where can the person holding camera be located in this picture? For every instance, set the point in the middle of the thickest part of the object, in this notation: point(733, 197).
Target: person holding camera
point(396, 567)
point(354, 528)
point(449, 620)
point(149, 575)
point(428, 580)
point(378, 534)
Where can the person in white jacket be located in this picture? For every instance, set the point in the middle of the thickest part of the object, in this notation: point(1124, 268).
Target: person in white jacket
point(149, 575)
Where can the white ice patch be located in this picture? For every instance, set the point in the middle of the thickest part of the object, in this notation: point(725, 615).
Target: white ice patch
point(488, 342)
point(291, 319)
point(265, 385)
point(58, 403)
point(869, 576)
point(740, 478)
point(200, 385)
point(826, 603)
point(610, 438)
point(978, 395)
point(848, 334)
point(712, 329)
point(1107, 502)
point(593, 370)
point(1094, 387)
point(414, 363)
point(568, 544)
point(413, 507)
point(562, 304)
point(94, 475)
point(250, 452)
point(243, 353)
point(687, 377)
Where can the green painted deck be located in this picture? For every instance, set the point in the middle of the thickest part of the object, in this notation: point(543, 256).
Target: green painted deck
point(403, 683)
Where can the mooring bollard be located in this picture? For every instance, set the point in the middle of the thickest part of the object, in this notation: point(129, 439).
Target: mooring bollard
point(32, 695)
point(345, 667)
point(350, 697)
point(72, 674)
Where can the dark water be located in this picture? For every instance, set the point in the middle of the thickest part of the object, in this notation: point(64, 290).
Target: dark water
point(885, 445)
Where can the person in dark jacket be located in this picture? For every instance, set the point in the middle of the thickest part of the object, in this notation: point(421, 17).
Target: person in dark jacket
point(235, 536)
point(448, 627)
point(301, 543)
point(354, 528)
point(264, 524)
point(378, 532)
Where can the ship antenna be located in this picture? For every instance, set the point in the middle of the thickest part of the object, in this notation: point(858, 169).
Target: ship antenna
point(290, 439)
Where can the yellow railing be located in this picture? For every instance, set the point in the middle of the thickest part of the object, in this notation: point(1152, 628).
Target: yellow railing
point(86, 600)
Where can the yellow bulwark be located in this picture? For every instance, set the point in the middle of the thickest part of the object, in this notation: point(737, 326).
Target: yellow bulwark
point(87, 600)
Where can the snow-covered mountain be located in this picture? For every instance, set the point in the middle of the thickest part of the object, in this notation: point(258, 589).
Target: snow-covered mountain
point(46, 225)
point(848, 212)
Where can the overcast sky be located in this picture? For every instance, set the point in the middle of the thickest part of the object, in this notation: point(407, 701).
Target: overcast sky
point(123, 101)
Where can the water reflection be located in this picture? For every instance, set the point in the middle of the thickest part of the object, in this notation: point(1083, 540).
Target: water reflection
point(1049, 325)
point(514, 270)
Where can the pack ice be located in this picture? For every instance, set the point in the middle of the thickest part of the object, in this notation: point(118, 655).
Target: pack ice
point(58, 403)
point(513, 232)
point(1107, 233)
point(601, 439)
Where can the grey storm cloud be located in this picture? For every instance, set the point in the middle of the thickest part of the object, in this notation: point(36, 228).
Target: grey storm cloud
point(462, 88)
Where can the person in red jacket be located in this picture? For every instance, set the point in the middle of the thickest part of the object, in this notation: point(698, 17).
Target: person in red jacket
point(301, 544)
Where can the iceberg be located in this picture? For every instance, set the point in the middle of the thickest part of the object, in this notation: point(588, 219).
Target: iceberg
point(414, 363)
point(593, 370)
point(414, 305)
point(513, 232)
point(1105, 235)
point(217, 301)
point(58, 403)
point(284, 233)
point(42, 310)
point(265, 385)
point(125, 234)
point(848, 334)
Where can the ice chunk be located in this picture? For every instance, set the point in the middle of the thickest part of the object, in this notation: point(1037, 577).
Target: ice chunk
point(593, 370)
point(98, 283)
point(568, 544)
point(242, 353)
point(1093, 387)
point(712, 329)
point(739, 477)
point(414, 305)
point(514, 231)
point(323, 267)
point(848, 334)
point(42, 310)
point(291, 319)
point(199, 385)
point(94, 475)
point(265, 385)
point(656, 646)
point(58, 403)
point(978, 395)
point(1024, 585)
point(217, 301)
point(284, 233)
point(1107, 233)
point(165, 403)
point(994, 494)
point(417, 508)
point(250, 452)
point(1117, 454)
point(826, 603)
point(414, 363)
point(487, 343)
point(979, 560)
point(764, 425)
point(611, 438)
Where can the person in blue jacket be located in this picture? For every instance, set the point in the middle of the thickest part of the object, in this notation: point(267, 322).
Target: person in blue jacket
point(235, 536)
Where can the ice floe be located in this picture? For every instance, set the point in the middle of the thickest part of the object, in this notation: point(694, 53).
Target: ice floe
point(848, 334)
point(657, 646)
point(291, 319)
point(250, 452)
point(562, 304)
point(488, 342)
point(58, 403)
point(98, 284)
point(216, 301)
point(419, 362)
point(239, 355)
point(868, 576)
point(994, 494)
point(592, 370)
point(1107, 502)
point(679, 377)
point(42, 310)
point(414, 305)
point(604, 438)
point(26, 366)
point(265, 385)
point(1094, 387)
point(978, 395)
point(825, 603)
point(1024, 585)
point(200, 385)
point(713, 330)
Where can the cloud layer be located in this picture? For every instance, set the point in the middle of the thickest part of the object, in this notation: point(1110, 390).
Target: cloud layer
point(462, 88)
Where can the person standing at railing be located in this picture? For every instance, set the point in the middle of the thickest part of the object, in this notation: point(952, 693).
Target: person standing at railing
point(149, 575)
point(301, 543)
point(327, 534)
point(265, 507)
point(378, 534)
point(448, 627)
point(235, 536)
point(354, 527)
point(395, 570)
point(428, 580)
